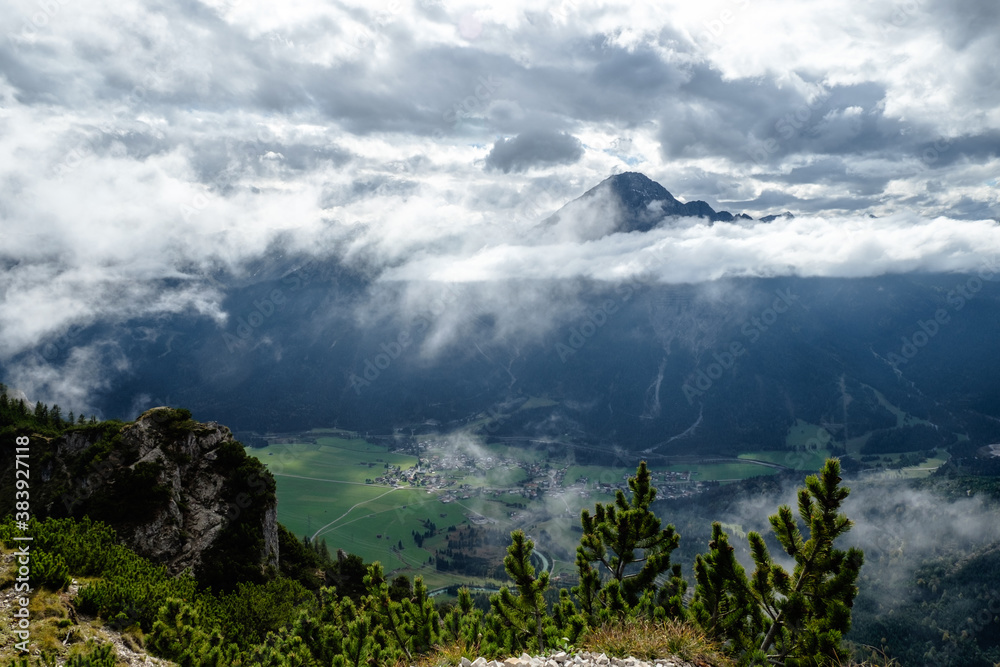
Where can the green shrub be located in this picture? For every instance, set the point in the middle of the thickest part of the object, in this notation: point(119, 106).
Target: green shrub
point(49, 571)
point(95, 655)
point(629, 599)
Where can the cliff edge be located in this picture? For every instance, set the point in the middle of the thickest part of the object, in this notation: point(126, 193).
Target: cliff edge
point(177, 491)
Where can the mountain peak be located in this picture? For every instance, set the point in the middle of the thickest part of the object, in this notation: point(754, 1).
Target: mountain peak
point(627, 202)
point(638, 197)
point(770, 218)
point(635, 185)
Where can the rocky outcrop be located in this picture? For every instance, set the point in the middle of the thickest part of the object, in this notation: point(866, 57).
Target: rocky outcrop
point(174, 490)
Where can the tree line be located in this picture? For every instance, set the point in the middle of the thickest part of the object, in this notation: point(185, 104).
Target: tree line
point(356, 616)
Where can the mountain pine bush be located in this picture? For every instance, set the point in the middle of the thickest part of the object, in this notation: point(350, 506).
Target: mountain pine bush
point(770, 616)
point(777, 617)
point(623, 554)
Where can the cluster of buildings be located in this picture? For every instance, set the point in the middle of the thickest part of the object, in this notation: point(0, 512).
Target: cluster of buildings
point(443, 467)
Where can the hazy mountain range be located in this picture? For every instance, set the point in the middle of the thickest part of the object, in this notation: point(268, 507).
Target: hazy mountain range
point(634, 364)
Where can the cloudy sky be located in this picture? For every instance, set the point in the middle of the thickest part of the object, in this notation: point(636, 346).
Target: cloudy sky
point(146, 145)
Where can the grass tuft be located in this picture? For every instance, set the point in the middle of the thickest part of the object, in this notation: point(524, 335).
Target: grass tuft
point(869, 656)
point(447, 655)
point(649, 640)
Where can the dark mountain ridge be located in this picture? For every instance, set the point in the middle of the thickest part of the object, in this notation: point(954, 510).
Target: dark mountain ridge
point(639, 204)
point(720, 367)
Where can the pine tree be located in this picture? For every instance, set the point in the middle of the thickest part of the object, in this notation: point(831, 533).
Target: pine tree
point(567, 619)
point(464, 623)
point(323, 634)
point(401, 588)
point(625, 539)
point(724, 605)
point(410, 626)
point(358, 643)
point(281, 649)
point(808, 610)
point(178, 635)
point(348, 575)
point(524, 615)
point(423, 619)
point(324, 551)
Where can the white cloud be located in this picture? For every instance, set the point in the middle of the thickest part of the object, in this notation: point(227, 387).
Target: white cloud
point(693, 251)
point(143, 147)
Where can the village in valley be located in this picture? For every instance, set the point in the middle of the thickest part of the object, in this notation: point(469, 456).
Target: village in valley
point(443, 506)
point(462, 475)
